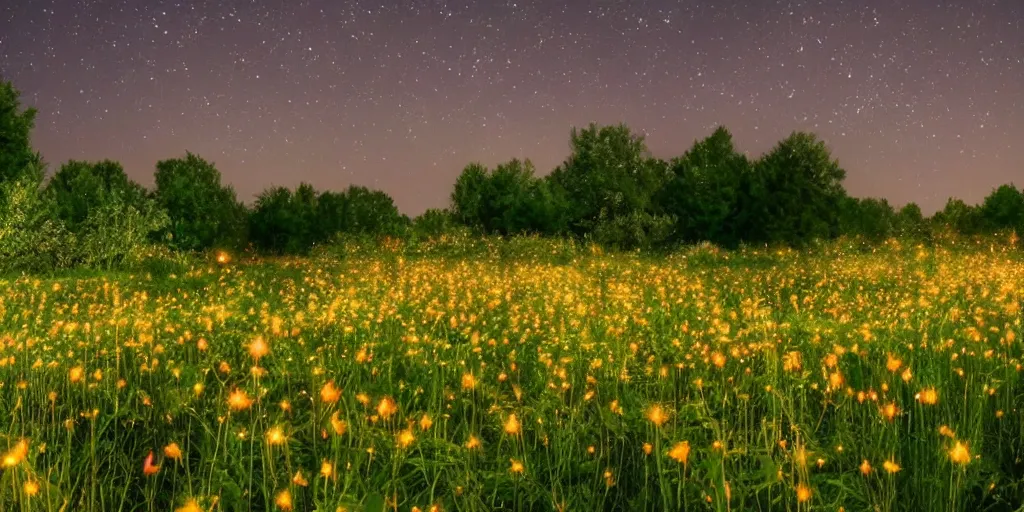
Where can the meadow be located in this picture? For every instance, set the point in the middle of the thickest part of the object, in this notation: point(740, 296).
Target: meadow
point(833, 378)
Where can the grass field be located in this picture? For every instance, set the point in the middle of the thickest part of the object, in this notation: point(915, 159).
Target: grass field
point(828, 379)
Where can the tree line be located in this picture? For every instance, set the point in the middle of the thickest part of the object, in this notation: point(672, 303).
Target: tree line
point(609, 190)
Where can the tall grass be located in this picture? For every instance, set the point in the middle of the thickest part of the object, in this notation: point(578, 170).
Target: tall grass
point(521, 377)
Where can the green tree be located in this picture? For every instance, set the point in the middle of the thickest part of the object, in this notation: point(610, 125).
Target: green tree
point(959, 217)
point(910, 223)
point(81, 187)
point(609, 173)
point(31, 237)
point(870, 218)
point(203, 213)
point(795, 193)
point(468, 196)
point(371, 212)
point(17, 158)
point(1003, 209)
point(703, 192)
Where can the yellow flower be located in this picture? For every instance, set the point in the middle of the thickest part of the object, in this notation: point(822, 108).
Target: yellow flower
point(17, 454)
point(680, 452)
point(928, 396)
point(865, 467)
point(75, 375)
point(426, 422)
point(276, 437)
point(959, 454)
point(472, 443)
point(512, 425)
point(172, 451)
point(31, 488)
point(468, 381)
point(386, 407)
point(258, 348)
point(300, 480)
point(890, 466)
point(283, 500)
point(338, 424)
point(405, 438)
point(803, 493)
point(648, 448)
point(516, 467)
point(189, 506)
point(657, 415)
point(239, 401)
point(329, 394)
point(326, 469)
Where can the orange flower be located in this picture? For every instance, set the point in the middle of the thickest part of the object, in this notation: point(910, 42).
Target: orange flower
point(468, 381)
point(31, 488)
point(76, 374)
point(680, 452)
point(299, 480)
point(283, 500)
point(276, 437)
point(473, 443)
point(426, 422)
point(405, 438)
point(928, 396)
point(239, 401)
point(148, 468)
point(890, 466)
point(17, 454)
point(258, 348)
point(657, 415)
point(338, 424)
point(386, 407)
point(512, 425)
point(329, 394)
point(172, 451)
point(516, 466)
point(865, 467)
point(803, 493)
point(959, 454)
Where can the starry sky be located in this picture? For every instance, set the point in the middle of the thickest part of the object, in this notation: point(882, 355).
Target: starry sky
point(919, 100)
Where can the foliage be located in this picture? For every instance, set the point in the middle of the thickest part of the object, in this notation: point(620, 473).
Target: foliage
point(17, 158)
point(203, 213)
point(796, 193)
point(533, 375)
point(283, 222)
point(79, 188)
point(31, 238)
point(1003, 209)
point(609, 174)
point(870, 218)
point(704, 192)
point(118, 232)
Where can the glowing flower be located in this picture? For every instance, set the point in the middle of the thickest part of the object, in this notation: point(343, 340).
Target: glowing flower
point(680, 452)
point(512, 425)
point(338, 425)
point(473, 443)
point(516, 466)
point(329, 394)
point(75, 374)
point(386, 407)
point(468, 381)
point(890, 466)
point(283, 500)
point(959, 454)
point(31, 488)
point(276, 437)
point(16, 454)
point(172, 451)
point(405, 438)
point(657, 415)
point(928, 396)
point(258, 348)
point(865, 467)
point(426, 422)
point(239, 401)
point(148, 468)
point(189, 506)
point(299, 480)
point(803, 493)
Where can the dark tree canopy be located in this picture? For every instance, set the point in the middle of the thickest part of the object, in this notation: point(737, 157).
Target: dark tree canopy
point(203, 213)
point(17, 158)
point(81, 187)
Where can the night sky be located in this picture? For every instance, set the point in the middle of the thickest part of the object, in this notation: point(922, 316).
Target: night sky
point(919, 100)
